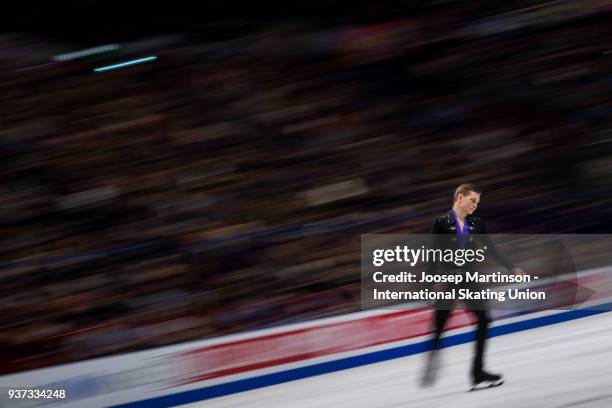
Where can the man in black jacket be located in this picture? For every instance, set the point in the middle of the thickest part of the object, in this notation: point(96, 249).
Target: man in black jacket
point(457, 229)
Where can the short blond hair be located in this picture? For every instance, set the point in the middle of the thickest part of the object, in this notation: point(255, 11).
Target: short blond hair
point(464, 190)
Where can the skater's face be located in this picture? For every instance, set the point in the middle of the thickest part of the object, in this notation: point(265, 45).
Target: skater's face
point(469, 202)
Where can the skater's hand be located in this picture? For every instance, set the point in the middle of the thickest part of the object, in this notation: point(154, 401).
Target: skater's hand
point(518, 271)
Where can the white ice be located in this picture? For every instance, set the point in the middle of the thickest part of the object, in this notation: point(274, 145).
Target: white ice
point(563, 365)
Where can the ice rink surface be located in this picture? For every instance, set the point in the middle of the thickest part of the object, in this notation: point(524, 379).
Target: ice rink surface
point(563, 365)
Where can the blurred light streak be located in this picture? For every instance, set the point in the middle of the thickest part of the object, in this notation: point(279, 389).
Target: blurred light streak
point(125, 64)
point(86, 52)
point(36, 66)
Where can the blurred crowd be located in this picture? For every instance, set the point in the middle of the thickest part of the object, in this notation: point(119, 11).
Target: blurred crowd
point(224, 186)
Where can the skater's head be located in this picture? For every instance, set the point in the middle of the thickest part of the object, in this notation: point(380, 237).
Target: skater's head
point(466, 199)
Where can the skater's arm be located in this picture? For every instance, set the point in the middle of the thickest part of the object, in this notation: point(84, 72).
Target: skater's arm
point(491, 249)
point(436, 230)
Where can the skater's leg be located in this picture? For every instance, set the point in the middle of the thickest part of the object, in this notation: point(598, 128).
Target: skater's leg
point(481, 337)
point(481, 378)
point(441, 317)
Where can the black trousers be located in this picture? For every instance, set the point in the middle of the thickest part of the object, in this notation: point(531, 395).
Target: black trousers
point(443, 311)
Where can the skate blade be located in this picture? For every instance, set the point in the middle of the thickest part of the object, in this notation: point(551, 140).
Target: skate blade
point(486, 385)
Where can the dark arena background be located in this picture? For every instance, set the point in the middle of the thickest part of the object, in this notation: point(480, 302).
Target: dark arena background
point(184, 189)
